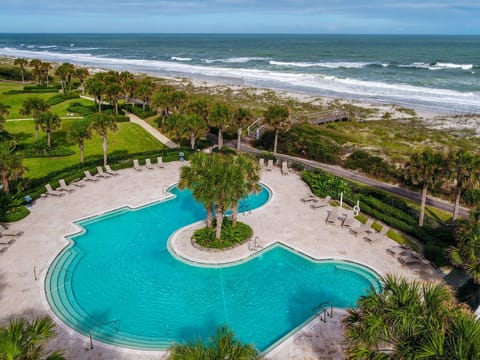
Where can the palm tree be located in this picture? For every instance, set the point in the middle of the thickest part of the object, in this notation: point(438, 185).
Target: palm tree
point(23, 340)
point(3, 111)
point(198, 178)
point(79, 132)
point(34, 106)
point(81, 74)
point(277, 116)
point(49, 122)
point(11, 167)
point(96, 87)
point(145, 91)
point(46, 66)
point(221, 118)
point(221, 346)
point(21, 63)
point(411, 320)
point(102, 123)
point(464, 168)
point(195, 126)
point(425, 169)
point(123, 78)
point(242, 117)
point(113, 92)
point(36, 64)
point(65, 72)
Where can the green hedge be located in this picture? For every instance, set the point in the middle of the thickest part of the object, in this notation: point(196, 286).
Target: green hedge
point(33, 90)
point(138, 110)
point(58, 99)
point(79, 108)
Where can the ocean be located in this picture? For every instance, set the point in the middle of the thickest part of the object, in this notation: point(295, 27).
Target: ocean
point(439, 73)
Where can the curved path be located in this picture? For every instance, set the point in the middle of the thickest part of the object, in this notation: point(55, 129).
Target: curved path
point(284, 219)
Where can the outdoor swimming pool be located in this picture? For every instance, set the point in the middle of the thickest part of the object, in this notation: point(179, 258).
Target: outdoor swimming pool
point(118, 282)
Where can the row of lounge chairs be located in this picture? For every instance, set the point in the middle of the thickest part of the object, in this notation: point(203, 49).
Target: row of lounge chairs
point(7, 238)
point(407, 256)
point(148, 164)
point(284, 169)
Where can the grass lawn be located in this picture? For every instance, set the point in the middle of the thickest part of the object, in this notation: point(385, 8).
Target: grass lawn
point(130, 138)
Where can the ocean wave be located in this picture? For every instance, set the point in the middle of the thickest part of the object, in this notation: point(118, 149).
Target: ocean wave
point(177, 58)
point(325, 64)
point(438, 66)
point(81, 48)
point(235, 60)
point(317, 84)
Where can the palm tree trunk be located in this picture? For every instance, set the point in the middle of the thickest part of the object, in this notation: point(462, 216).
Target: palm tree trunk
point(192, 140)
point(422, 206)
point(116, 106)
point(47, 78)
point(234, 214)
point(239, 138)
point(36, 132)
point(100, 104)
point(104, 149)
point(275, 142)
point(63, 86)
point(23, 78)
point(209, 215)
point(456, 206)
point(220, 138)
point(5, 182)
point(48, 139)
point(219, 217)
point(81, 146)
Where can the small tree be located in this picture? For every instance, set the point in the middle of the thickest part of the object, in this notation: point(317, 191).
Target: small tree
point(241, 117)
point(36, 64)
point(102, 123)
point(11, 167)
point(79, 132)
point(34, 106)
point(21, 63)
point(278, 118)
point(96, 87)
point(81, 74)
point(221, 118)
point(49, 122)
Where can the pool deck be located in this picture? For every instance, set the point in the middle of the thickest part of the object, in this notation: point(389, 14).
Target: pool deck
point(284, 219)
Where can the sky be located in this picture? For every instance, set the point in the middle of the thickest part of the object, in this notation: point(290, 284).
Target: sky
point(241, 16)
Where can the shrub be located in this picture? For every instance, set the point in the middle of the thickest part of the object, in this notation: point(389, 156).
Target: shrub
point(15, 214)
point(14, 73)
point(138, 110)
point(371, 165)
point(468, 294)
point(76, 107)
point(436, 253)
point(122, 118)
point(40, 149)
point(230, 236)
point(58, 99)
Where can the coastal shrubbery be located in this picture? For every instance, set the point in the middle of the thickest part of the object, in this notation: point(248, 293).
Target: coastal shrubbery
point(58, 99)
point(372, 165)
point(231, 235)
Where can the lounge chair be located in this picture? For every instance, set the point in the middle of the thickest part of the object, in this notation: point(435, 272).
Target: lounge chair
point(412, 260)
point(148, 164)
point(309, 197)
point(136, 165)
point(78, 183)
point(377, 236)
point(333, 217)
point(52, 192)
point(9, 242)
point(364, 228)
point(160, 163)
point(285, 169)
point(101, 173)
point(269, 165)
point(2, 250)
point(321, 203)
point(89, 177)
point(349, 220)
point(109, 170)
point(64, 186)
point(4, 232)
point(261, 163)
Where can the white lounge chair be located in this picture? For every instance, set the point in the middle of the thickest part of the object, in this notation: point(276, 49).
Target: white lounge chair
point(148, 164)
point(333, 217)
point(136, 165)
point(160, 163)
point(285, 169)
point(109, 170)
point(309, 197)
point(412, 260)
point(101, 173)
point(349, 220)
point(64, 186)
point(5, 232)
point(90, 177)
point(261, 163)
point(364, 228)
point(9, 242)
point(321, 203)
point(52, 192)
point(3, 250)
point(269, 165)
point(377, 236)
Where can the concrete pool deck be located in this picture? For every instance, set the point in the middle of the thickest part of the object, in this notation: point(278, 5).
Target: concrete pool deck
point(283, 219)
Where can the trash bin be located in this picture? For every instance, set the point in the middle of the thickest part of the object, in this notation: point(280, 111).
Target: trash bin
point(28, 200)
point(181, 156)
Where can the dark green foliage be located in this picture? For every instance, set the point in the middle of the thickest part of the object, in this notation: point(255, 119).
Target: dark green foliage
point(40, 149)
point(371, 165)
point(468, 294)
point(436, 252)
point(33, 89)
point(137, 110)
point(58, 99)
point(231, 236)
point(323, 184)
point(15, 214)
point(471, 197)
point(306, 141)
point(79, 108)
point(121, 118)
point(14, 73)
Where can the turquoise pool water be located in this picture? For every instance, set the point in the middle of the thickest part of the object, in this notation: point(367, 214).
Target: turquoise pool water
point(119, 282)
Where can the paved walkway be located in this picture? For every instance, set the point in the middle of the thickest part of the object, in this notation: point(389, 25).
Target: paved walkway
point(154, 132)
point(284, 219)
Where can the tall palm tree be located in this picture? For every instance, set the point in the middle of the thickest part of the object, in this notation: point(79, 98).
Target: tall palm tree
point(220, 117)
point(96, 87)
point(23, 340)
point(102, 123)
point(36, 64)
point(123, 78)
point(79, 132)
point(3, 111)
point(113, 92)
point(241, 117)
point(81, 74)
point(198, 178)
point(221, 346)
point(425, 169)
point(464, 168)
point(21, 62)
point(11, 167)
point(195, 126)
point(65, 71)
point(49, 122)
point(45, 68)
point(277, 117)
point(410, 320)
point(145, 91)
point(34, 106)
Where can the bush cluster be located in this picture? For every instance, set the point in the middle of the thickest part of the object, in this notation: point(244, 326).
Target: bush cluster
point(231, 235)
point(58, 99)
point(138, 110)
point(30, 89)
point(79, 108)
point(14, 73)
point(371, 165)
